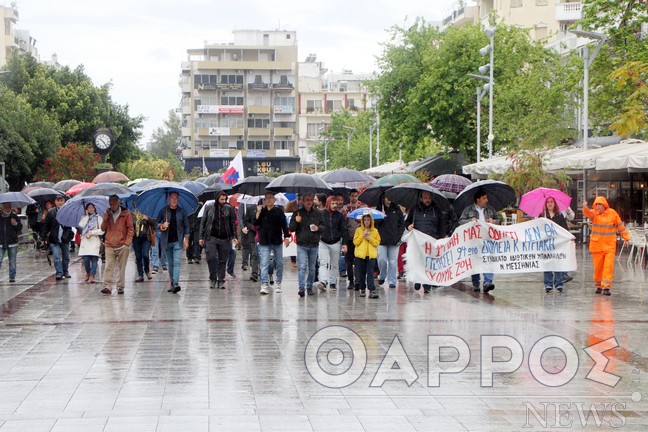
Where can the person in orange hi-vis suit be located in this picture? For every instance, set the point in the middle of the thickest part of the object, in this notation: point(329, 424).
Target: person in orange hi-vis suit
point(606, 223)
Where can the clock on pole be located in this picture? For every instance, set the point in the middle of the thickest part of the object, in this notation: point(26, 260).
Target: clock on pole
point(103, 141)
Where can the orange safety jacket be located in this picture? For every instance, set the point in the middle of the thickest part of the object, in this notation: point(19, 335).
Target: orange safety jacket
point(605, 226)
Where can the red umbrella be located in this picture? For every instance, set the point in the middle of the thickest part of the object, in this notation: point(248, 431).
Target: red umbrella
point(110, 177)
point(533, 203)
point(78, 188)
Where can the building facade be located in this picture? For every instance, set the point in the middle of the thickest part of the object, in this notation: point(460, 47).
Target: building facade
point(241, 96)
point(322, 93)
point(14, 40)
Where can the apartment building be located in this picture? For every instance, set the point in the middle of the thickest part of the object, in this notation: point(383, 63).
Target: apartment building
point(241, 96)
point(322, 93)
point(546, 20)
point(13, 39)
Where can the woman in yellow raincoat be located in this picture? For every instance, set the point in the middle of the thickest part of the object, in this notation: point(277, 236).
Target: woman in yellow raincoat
point(606, 223)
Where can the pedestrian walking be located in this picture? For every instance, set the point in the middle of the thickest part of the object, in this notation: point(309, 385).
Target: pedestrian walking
point(554, 279)
point(249, 256)
point(480, 210)
point(306, 223)
point(332, 241)
point(366, 240)
point(391, 229)
point(90, 246)
point(58, 238)
point(606, 224)
point(352, 225)
point(143, 239)
point(118, 225)
point(10, 228)
point(173, 223)
point(217, 235)
point(273, 235)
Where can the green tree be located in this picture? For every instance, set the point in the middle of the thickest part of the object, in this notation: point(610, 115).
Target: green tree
point(149, 167)
point(164, 141)
point(526, 173)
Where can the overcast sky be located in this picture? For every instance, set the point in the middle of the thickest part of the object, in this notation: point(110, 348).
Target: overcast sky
point(138, 45)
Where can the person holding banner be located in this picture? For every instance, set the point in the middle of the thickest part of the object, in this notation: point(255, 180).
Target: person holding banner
point(554, 279)
point(606, 224)
point(366, 240)
point(480, 210)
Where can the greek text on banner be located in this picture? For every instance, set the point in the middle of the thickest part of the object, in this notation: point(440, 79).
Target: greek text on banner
point(478, 247)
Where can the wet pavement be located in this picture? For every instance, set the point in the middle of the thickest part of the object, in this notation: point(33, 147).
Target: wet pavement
point(72, 359)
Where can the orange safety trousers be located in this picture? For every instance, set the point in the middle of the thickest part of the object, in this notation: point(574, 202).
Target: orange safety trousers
point(603, 268)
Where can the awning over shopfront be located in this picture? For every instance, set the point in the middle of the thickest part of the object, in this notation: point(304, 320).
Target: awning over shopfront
point(385, 169)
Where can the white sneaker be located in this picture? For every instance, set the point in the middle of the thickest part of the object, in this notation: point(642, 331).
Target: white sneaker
point(264, 289)
point(278, 288)
point(321, 286)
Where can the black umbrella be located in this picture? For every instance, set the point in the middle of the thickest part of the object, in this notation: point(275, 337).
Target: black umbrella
point(211, 191)
point(408, 195)
point(372, 196)
point(64, 185)
point(42, 194)
point(106, 189)
point(299, 183)
point(42, 184)
point(500, 195)
point(254, 185)
point(212, 179)
point(194, 187)
point(346, 176)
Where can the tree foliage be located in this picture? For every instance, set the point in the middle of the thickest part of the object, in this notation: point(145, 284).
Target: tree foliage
point(426, 95)
point(151, 168)
point(72, 162)
point(164, 140)
point(526, 173)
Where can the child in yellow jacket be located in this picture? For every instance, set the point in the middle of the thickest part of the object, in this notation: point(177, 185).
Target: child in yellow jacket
point(366, 241)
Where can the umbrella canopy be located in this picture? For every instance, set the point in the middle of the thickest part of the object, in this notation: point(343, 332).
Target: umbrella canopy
point(450, 183)
point(533, 202)
point(408, 195)
point(106, 189)
point(43, 184)
point(16, 199)
point(42, 194)
point(396, 179)
point(358, 213)
point(299, 183)
point(195, 187)
point(500, 195)
point(110, 177)
point(212, 179)
point(212, 190)
point(64, 185)
point(72, 211)
point(152, 200)
point(373, 194)
point(346, 176)
point(280, 199)
point(134, 182)
point(254, 185)
point(78, 188)
point(142, 185)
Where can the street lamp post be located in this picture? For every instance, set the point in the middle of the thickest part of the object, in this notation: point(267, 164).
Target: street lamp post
point(377, 137)
point(481, 92)
point(349, 135)
point(301, 158)
point(371, 127)
point(490, 48)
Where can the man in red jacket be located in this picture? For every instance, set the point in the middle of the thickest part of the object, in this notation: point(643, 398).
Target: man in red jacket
point(118, 226)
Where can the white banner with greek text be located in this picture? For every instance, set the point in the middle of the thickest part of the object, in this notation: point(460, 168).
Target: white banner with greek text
point(477, 247)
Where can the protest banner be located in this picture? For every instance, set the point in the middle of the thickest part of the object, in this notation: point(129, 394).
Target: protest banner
point(477, 247)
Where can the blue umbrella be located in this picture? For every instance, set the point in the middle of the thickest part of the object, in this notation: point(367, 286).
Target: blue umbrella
point(73, 210)
point(151, 201)
point(194, 187)
point(143, 185)
point(358, 213)
point(17, 199)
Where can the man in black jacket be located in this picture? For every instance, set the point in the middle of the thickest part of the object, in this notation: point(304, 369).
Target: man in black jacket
point(10, 228)
point(273, 233)
point(391, 230)
point(217, 234)
point(332, 238)
point(58, 238)
point(306, 223)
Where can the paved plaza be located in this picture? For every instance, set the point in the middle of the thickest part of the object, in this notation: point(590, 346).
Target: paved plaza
point(72, 359)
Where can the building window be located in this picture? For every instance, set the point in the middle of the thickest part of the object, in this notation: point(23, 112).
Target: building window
point(259, 123)
point(258, 145)
point(204, 81)
point(313, 106)
point(333, 105)
point(313, 130)
point(258, 100)
point(231, 100)
point(516, 3)
point(284, 101)
point(231, 79)
point(284, 145)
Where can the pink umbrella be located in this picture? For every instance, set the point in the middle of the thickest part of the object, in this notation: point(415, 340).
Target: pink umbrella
point(533, 203)
point(78, 188)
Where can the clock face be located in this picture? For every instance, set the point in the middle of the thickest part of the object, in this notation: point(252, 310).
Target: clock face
point(103, 141)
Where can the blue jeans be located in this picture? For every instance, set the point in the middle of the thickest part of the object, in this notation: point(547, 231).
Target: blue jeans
point(174, 252)
point(488, 278)
point(141, 246)
point(156, 251)
point(61, 253)
point(90, 264)
point(264, 262)
point(553, 279)
point(306, 260)
point(388, 263)
point(12, 252)
point(231, 259)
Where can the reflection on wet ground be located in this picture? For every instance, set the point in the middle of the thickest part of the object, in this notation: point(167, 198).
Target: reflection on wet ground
point(232, 360)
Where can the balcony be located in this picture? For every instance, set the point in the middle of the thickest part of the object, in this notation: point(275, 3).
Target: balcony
point(462, 16)
point(284, 109)
point(258, 109)
point(258, 86)
point(186, 109)
point(569, 11)
point(284, 131)
point(264, 132)
point(185, 87)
